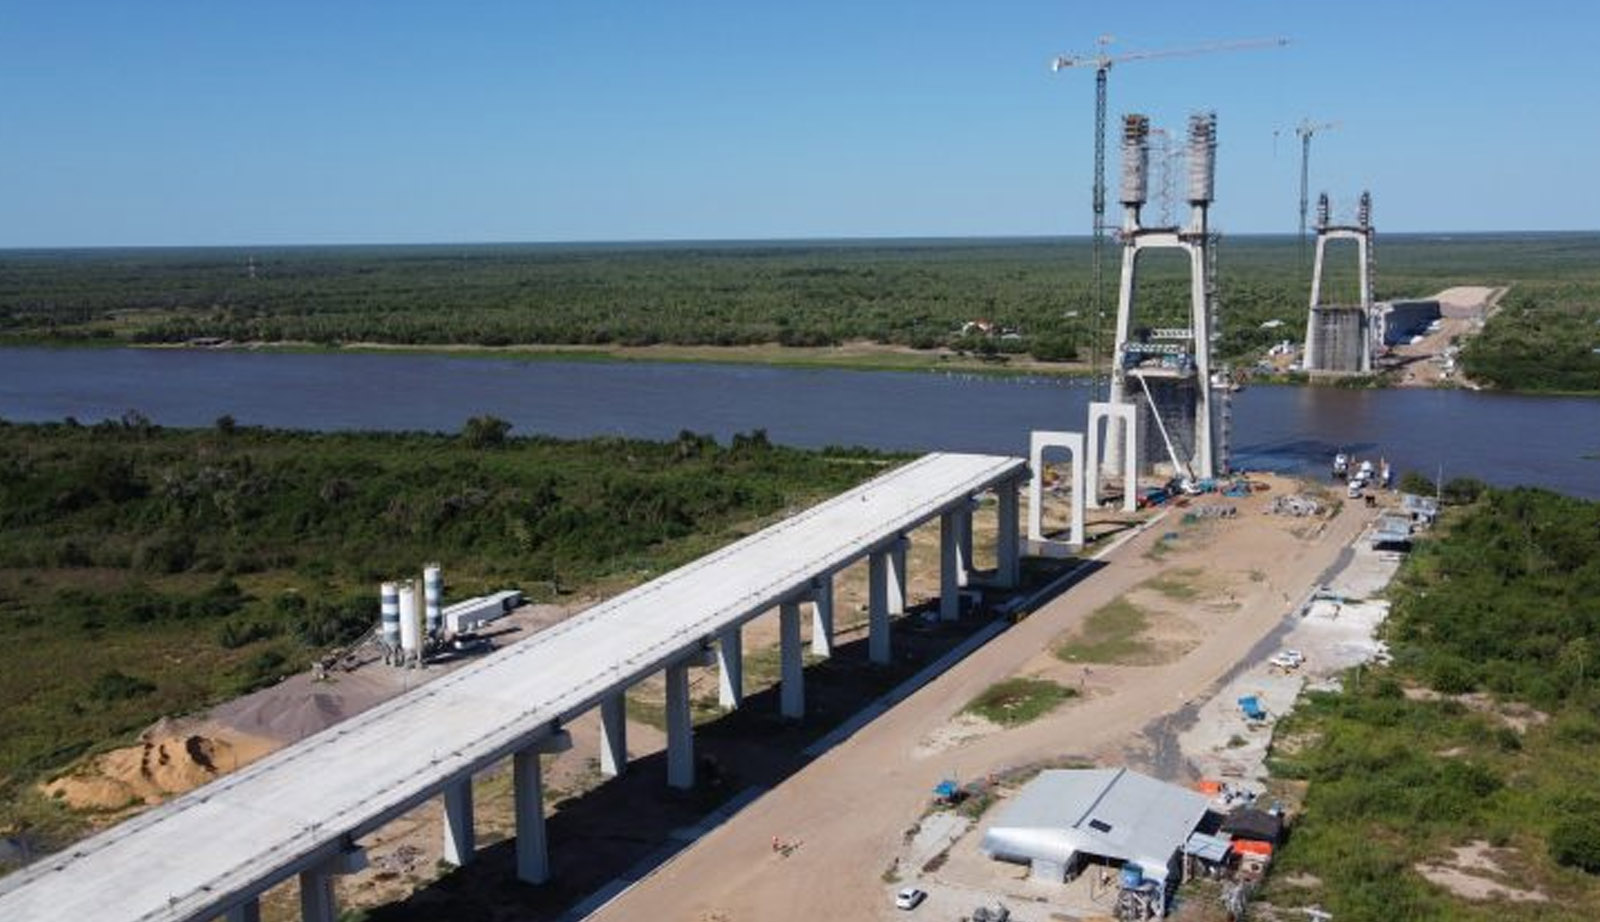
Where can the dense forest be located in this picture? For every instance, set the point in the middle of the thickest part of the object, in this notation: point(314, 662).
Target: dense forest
point(1485, 728)
point(242, 554)
point(1036, 292)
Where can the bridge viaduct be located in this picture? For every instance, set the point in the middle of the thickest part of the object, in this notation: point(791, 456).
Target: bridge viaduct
point(300, 811)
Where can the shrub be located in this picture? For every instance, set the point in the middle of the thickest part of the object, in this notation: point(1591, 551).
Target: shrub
point(119, 686)
point(1575, 841)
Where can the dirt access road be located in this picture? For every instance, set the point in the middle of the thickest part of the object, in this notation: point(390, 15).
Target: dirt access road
point(845, 812)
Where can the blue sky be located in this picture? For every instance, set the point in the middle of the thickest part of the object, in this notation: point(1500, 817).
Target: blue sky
point(175, 123)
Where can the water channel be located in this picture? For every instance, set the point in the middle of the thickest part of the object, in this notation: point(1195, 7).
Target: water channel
point(1505, 439)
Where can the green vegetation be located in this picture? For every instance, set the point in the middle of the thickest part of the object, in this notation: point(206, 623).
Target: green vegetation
point(1178, 585)
point(1495, 618)
point(1546, 337)
point(147, 572)
point(916, 294)
point(1021, 700)
point(1113, 633)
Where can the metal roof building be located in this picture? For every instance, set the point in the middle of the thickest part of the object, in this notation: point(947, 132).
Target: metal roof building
point(1062, 817)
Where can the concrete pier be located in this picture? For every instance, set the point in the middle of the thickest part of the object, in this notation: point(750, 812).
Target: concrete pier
point(680, 728)
point(792, 695)
point(730, 666)
point(1008, 541)
point(820, 600)
point(248, 911)
point(898, 551)
point(614, 734)
point(460, 838)
point(533, 846)
point(878, 607)
point(950, 563)
point(527, 785)
point(963, 517)
point(316, 896)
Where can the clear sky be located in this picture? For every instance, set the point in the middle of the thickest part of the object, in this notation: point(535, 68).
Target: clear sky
point(177, 122)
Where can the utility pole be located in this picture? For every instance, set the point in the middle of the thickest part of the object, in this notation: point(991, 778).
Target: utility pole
point(1101, 61)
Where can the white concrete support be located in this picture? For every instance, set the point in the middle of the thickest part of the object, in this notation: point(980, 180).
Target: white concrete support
point(964, 543)
point(533, 847)
point(950, 563)
point(460, 839)
point(792, 693)
point(614, 734)
point(898, 551)
point(527, 785)
point(730, 666)
point(1111, 413)
point(820, 600)
point(316, 895)
point(248, 911)
point(1007, 540)
point(1037, 442)
point(680, 729)
point(878, 606)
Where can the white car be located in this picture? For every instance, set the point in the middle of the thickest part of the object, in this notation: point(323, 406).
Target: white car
point(1285, 661)
point(909, 898)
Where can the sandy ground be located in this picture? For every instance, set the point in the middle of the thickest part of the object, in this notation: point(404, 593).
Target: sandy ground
point(1423, 363)
point(850, 806)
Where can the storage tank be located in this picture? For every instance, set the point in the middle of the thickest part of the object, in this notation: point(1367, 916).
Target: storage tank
point(410, 626)
point(433, 599)
point(389, 615)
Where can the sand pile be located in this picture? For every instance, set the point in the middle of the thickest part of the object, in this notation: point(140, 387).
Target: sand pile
point(166, 761)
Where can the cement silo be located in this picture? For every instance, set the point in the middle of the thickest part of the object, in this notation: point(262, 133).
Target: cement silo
point(389, 620)
point(433, 600)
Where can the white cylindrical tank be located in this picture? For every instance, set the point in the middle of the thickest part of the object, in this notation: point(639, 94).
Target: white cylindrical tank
point(410, 625)
point(389, 615)
point(433, 599)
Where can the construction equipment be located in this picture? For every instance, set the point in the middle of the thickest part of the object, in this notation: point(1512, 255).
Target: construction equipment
point(1307, 130)
point(1101, 60)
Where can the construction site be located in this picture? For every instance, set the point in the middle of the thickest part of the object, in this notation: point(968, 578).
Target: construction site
point(789, 726)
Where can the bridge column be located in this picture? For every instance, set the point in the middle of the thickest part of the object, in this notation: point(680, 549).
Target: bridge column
point(792, 694)
point(613, 734)
point(964, 543)
point(248, 911)
point(680, 729)
point(950, 565)
point(460, 840)
point(821, 602)
point(730, 666)
point(878, 607)
point(316, 896)
point(1007, 550)
point(527, 783)
point(897, 575)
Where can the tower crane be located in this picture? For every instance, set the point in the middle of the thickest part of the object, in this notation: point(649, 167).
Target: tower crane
point(1102, 60)
point(1307, 130)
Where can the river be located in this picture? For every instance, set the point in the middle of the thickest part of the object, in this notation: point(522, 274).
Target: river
point(1505, 439)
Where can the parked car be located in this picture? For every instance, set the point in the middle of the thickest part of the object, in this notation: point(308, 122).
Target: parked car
point(909, 898)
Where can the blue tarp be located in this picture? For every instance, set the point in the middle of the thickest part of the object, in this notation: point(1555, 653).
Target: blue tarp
point(1251, 706)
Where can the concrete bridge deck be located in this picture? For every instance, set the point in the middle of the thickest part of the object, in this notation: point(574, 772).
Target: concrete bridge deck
point(300, 810)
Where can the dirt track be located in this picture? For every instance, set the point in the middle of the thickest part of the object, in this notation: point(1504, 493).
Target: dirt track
point(846, 811)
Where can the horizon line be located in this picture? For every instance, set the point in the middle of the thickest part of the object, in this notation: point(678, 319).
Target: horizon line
point(725, 241)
